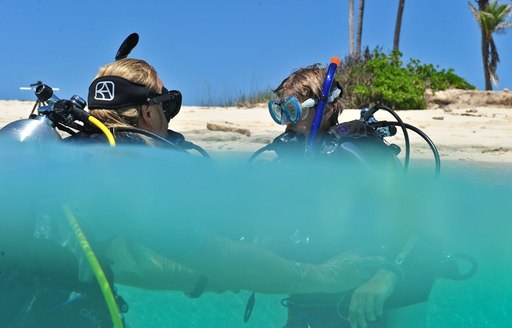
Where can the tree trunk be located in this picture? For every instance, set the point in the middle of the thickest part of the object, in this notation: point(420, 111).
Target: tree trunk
point(398, 26)
point(360, 15)
point(351, 25)
point(482, 5)
point(485, 57)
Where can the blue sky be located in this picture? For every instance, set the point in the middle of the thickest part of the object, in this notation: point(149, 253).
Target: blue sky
point(218, 49)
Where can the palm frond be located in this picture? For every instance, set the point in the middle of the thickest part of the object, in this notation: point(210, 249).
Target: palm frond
point(500, 29)
point(475, 11)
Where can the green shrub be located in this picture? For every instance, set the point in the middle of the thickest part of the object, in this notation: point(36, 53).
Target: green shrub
point(377, 77)
point(436, 79)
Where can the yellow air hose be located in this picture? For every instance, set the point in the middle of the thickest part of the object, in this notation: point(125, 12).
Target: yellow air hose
point(103, 129)
point(96, 268)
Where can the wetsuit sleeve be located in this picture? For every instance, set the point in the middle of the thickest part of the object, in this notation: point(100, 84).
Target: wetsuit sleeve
point(240, 265)
point(138, 266)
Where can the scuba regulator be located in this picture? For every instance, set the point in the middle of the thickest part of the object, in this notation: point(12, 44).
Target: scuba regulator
point(54, 114)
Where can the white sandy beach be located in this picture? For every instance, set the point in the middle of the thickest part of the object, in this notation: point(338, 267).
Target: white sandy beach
point(470, 132)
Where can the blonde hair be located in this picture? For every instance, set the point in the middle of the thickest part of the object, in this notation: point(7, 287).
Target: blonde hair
point(134, 70)
point(307, 82)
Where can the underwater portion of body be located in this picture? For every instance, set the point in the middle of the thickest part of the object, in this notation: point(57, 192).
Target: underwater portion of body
point(303, 226)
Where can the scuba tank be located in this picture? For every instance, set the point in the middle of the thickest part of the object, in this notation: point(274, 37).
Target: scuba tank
point(39, 128)
point(52, 113)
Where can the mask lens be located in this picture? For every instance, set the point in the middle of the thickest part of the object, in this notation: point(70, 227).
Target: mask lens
point(275, 112)
point(292, 108)
point(172, 104)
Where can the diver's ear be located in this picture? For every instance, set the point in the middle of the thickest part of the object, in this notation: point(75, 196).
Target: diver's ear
point(145, 116)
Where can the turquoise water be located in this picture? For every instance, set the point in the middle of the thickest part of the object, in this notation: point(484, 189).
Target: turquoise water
point(159, 197)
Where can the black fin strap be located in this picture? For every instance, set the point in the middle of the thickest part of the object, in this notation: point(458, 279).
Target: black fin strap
point(249, 306)
point(201, 283)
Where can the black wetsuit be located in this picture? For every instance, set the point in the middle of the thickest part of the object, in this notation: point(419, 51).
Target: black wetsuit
point(45, 281)
point(40, 279)
point(173, 140)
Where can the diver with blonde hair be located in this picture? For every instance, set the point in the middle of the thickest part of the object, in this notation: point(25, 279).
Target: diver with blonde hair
point(136, 115)
point(131, 100)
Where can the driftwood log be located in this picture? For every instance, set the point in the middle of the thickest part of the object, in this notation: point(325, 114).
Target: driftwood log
point(227, 127)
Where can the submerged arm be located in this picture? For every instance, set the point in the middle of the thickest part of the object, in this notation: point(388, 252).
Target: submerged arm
point(139, 266)
point(240, 265)
point(218, 264)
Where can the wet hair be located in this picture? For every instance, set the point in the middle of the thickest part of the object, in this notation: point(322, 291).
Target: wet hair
point(134, 70)
point(306, 83)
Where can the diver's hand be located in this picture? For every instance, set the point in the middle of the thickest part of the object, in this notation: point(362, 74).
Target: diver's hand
point(367, 302)
point(341, 273)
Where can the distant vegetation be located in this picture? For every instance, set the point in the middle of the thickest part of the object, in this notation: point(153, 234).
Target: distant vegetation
point(210, 97)
point(376, 77)
point(256, 98)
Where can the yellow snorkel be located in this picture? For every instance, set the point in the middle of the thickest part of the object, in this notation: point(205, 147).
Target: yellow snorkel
point(105, 288)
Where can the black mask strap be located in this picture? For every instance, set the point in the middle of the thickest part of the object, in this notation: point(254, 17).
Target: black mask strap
point(114, 92)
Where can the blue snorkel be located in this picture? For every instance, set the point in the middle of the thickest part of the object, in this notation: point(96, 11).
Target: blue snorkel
point(315, 126)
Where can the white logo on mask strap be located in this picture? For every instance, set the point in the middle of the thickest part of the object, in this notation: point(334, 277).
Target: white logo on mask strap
point(104, 91)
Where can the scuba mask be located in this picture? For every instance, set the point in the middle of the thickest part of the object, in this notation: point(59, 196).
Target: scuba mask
point(170, 100)
point(115, 92)
point(290, 111)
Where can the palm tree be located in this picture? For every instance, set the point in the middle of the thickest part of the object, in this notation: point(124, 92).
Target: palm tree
point(492, 18)
point(351, 26)
point(398, 25)
point(360, 15)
